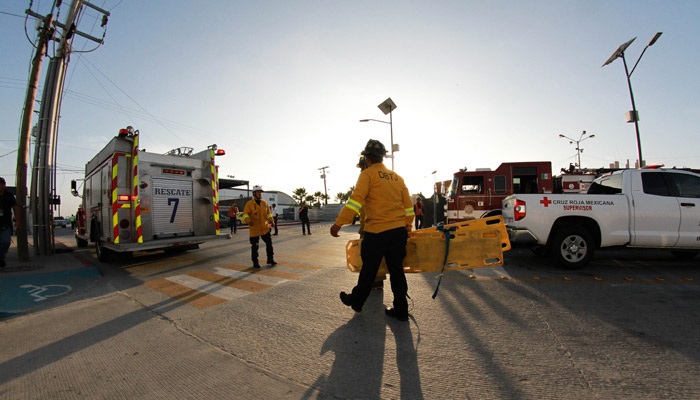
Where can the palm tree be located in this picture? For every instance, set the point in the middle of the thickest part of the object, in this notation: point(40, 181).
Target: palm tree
point(299, 195)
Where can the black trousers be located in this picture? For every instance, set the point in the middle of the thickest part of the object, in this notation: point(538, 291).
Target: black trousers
point(233, 223)
point(305, 225)
point(419, 222)
point(254, 240)
point(275, 218)
point(390, 245)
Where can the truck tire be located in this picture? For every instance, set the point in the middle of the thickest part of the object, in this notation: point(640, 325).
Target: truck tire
point(684, 255)
point(103, 254)
point(572, 247)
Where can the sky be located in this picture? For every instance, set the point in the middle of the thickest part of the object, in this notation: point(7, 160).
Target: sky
point(282, 85)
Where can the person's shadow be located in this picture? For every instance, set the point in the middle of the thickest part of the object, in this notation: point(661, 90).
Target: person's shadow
point(359, 356)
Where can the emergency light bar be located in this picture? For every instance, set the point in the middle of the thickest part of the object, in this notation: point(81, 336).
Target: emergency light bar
point(220, 152)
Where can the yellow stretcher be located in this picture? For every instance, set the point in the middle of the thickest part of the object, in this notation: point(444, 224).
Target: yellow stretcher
point(472, 244)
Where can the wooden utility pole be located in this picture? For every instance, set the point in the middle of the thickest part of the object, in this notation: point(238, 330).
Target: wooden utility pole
point(23, 151)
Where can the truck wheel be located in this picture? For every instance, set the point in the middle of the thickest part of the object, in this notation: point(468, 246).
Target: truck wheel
point(81, 242)
point(684, 255)
point(572, 247)
point(103, 254)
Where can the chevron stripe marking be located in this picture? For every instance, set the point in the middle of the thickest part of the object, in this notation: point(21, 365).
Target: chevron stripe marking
point(299, 265)
point(272, 273)
point(184, 293)
point(230, 282)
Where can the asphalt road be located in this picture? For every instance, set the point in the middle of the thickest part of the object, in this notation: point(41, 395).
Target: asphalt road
point(203, 325)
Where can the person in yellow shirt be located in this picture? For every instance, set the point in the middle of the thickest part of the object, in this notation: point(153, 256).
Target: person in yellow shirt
point(382, 194)
point(256, 214)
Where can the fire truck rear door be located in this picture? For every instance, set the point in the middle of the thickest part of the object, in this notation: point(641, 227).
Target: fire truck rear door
point(172, 207)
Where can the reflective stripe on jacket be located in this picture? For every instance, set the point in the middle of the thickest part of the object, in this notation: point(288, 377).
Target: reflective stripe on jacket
point(382, 194)
point(259, 214)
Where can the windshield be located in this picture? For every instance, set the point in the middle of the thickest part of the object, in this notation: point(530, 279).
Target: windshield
point(453, 187)
point(608, 184)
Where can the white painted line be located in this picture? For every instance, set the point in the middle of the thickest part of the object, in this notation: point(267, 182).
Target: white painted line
point(207, 287)
point(252, 277)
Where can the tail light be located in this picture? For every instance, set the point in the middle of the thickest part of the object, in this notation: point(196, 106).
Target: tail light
point(519, 209)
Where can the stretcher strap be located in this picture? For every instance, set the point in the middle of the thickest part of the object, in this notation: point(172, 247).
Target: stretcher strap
point(448, 235)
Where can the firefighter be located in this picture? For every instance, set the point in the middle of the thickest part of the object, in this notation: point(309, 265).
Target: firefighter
point(418, 209)
point(256, 214)
point(388, 208)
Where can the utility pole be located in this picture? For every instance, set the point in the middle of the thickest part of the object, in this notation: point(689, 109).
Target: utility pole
point(24, 140)
point(43, 190)
point(325, 191)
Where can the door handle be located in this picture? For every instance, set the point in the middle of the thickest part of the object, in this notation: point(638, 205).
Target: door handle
point(688, 204)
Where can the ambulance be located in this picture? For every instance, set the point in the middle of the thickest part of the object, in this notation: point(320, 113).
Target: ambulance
point(133, 200)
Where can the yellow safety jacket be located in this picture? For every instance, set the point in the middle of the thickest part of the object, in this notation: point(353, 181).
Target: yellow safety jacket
point(382, 194)
point(259, 214)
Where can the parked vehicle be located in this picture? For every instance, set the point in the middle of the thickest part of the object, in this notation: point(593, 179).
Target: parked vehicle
point(60, 222)
point(479, 194)
point(639, 208)
point(134, 200)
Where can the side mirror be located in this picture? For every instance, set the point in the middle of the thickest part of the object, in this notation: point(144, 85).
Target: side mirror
point(74, 188)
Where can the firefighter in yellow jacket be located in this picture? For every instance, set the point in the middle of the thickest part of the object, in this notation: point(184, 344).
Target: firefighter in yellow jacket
point(257, 214)
point(383, 196)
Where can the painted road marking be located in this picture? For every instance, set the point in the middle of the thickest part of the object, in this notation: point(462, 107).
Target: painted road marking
point(204, 289)
point(184, 293)
point(208, 287)
point(41, 293)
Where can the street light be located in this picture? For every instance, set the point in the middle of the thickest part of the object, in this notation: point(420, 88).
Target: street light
point(387, 107)
point(578, 147)
point(632, 116)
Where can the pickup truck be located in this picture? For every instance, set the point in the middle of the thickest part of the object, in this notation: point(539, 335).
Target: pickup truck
point(640, 208)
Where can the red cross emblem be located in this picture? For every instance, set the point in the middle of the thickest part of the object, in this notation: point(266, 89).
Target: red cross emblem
point(546, 202)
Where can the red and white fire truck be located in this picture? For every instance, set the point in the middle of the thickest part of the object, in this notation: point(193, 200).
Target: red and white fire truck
point(478, 194)
point(134, 200)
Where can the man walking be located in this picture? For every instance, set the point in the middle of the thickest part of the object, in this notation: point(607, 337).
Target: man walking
point(383, 196)
point(274, 216)
point(304, 217)
point(8, 204)
point(257, 214)
point(233, 217)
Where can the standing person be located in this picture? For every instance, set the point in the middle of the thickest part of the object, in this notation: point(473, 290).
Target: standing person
point(418, 209)
point(257, 214)
point(72, 221)
point(8, 204)
point(383, 196)
point(274, 216)
point(233, 217)
point(304, 216)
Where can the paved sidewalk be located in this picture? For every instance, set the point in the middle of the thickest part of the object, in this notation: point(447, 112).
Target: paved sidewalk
point(43, 280)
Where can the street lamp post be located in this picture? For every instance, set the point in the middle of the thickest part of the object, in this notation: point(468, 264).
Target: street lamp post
point(387, 107)
point(578, 147)
point(632, 116)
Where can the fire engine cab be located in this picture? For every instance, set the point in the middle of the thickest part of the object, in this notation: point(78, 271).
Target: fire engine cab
point(478, 194)
point(133, 200)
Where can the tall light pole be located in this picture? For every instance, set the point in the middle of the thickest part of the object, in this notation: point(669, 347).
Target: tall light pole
point(323, 176)
point(387, 107)
point(632, 116)
point(578, 146)
point(435, 198)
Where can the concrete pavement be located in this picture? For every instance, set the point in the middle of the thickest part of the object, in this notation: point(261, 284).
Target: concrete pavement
point(43, 280)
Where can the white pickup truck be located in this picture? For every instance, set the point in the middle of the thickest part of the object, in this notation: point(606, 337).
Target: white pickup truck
point(643, 208)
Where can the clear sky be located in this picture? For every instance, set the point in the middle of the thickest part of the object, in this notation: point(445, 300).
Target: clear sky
point(282, 85)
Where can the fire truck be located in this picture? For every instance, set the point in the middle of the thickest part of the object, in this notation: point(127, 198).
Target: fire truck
point(133, 200)
point(478, 194)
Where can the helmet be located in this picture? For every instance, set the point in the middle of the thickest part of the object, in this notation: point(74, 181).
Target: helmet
point(374, 147)
point(256, 188)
